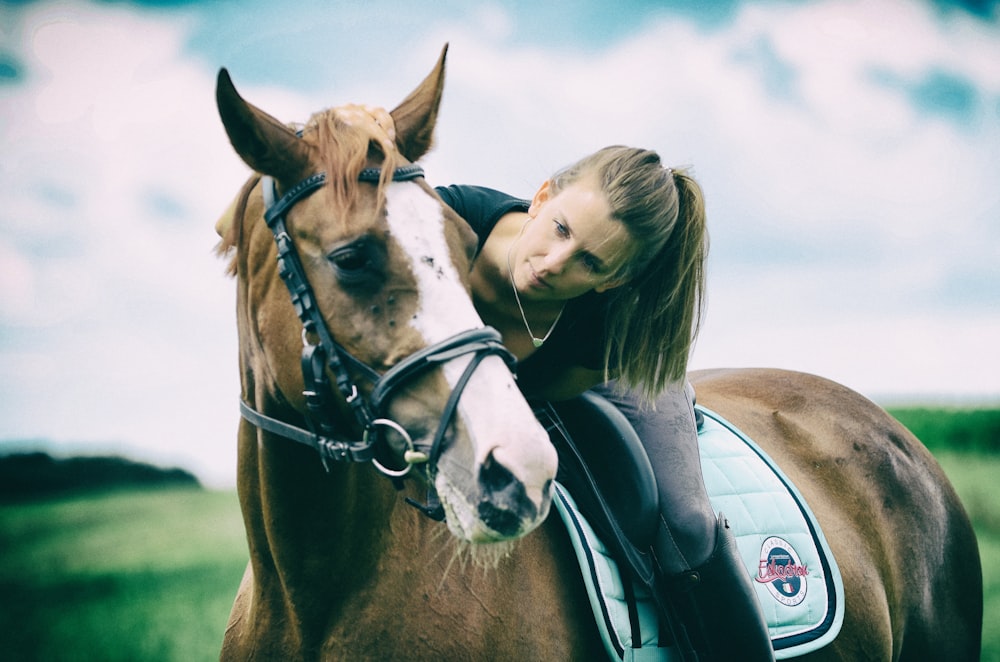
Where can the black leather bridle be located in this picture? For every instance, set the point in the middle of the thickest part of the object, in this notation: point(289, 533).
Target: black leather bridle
point(327, 357)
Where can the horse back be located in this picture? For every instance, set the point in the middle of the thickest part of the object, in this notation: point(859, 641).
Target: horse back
point(903, 541)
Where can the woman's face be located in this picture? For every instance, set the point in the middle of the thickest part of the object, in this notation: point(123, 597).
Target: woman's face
point(570, 245)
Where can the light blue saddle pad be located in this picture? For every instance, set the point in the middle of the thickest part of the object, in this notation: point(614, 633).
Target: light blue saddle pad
point(794, 573)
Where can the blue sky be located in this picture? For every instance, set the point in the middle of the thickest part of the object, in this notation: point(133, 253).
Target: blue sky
point(850, 153)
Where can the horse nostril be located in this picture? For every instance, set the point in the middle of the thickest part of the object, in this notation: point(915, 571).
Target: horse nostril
point(494, 476)
point(505, 503)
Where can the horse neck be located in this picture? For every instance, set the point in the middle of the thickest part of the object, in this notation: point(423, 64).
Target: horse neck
point(304, 525)
point(309, 527)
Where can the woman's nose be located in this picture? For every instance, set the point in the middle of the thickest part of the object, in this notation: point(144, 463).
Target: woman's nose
point(556, 259)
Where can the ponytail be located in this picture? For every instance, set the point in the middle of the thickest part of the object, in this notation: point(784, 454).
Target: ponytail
point(655, 317)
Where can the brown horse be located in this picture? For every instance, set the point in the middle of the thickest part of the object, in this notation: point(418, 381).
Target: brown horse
point(342, 567)
point(373, 351)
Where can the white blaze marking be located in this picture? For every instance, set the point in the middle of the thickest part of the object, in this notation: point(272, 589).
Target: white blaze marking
point(416, 221)
point(492, 408)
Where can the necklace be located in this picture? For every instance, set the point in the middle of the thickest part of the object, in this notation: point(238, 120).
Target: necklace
point(535, 340)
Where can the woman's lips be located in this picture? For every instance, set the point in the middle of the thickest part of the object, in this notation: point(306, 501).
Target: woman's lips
point(536, 281)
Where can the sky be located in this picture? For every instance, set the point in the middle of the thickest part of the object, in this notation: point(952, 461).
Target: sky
point(849, 153)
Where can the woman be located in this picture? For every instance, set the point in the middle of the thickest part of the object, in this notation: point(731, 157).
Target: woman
point(596, 283)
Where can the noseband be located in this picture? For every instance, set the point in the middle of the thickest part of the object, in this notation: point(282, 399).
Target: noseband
point(327, 357)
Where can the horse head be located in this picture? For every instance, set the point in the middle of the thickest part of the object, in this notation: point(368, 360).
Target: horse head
point(380, 313)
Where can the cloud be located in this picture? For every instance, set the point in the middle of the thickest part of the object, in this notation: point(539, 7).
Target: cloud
point(847, 150)
point(116, 314)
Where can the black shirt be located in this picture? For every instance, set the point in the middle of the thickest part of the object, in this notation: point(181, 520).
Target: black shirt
point(579, 336)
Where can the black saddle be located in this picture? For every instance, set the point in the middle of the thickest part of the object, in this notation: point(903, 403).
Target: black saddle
point(604, 466)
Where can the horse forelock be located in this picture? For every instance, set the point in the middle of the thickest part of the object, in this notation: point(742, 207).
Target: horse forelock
point(344, 151)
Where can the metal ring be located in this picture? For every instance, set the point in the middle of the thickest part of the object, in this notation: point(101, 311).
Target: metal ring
point(305, 339)
point(392, 473)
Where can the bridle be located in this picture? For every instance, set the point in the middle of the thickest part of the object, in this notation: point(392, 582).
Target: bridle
point(326, 357)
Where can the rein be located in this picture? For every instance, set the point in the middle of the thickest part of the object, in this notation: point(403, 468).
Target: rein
point(327, 357)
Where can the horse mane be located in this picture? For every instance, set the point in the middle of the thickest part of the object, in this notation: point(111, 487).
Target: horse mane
point(230, 226)
point(344, 151)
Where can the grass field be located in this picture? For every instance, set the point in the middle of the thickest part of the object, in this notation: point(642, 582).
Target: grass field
point(129, 575)
point(150, 574)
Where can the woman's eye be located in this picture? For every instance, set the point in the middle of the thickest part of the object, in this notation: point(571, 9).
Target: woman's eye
point(561, 229)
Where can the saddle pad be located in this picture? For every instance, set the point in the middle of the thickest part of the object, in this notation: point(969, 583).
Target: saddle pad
point(796, 578)
point(611, 598)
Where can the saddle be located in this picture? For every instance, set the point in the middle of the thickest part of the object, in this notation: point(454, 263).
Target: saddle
point(606, 496)
point(618, 467)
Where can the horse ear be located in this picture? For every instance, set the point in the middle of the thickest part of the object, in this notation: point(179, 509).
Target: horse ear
point(264, 143)
point(416, 115)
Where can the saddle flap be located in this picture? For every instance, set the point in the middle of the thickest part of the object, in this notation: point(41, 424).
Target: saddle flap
point(609, 452)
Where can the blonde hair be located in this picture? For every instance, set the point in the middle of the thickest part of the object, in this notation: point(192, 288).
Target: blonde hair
point(654, 317)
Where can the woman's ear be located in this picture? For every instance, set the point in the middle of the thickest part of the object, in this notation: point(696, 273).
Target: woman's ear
point(610, 285)
point(543, 193)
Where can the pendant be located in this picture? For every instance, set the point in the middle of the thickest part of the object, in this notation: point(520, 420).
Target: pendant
point(537, 342)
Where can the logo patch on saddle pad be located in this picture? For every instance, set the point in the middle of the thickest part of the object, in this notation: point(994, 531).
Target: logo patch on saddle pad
point(781, 572)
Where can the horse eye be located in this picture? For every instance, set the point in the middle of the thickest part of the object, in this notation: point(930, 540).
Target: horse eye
point(350, 259)
point(356, 264)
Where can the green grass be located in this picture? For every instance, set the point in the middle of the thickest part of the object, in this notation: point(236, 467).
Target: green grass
point(126, 575)
point(953, 429)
